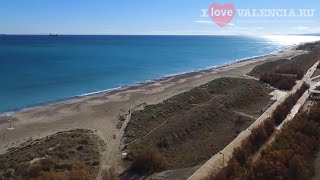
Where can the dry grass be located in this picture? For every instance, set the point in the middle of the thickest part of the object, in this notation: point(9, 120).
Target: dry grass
point(110, 174)
point(288, 157)
point(283, 83)
point(191, 127)
point(66, 155)
point(148, 161)
point(298, 66)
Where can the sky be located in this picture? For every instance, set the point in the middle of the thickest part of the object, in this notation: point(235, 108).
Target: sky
point(144, 17)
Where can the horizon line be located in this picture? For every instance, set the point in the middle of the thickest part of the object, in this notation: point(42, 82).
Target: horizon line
point(13, 34)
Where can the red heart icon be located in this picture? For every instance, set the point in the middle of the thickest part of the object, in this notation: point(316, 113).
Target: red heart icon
point(222, 15)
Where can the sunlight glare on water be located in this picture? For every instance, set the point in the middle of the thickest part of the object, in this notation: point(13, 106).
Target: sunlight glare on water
point(291, 39)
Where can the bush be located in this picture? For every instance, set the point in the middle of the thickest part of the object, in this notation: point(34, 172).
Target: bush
point(163, 143)
point(229, 172)
point(290, 156)
point(280, 82)
point(285, 83)
point(47, 164)
point(273, 162)
point(22, 169)
point(148, 161)
point(280, 114)
point(298, 168)
point(63, 167)
point(259, 135)
point(269, 126)
point(109, 174)
point(291, 70)
point(34, 171)
point(241, 155)
point(284, 109)
point(314, 114)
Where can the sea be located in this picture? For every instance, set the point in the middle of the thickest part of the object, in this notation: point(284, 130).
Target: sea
point(40, 69)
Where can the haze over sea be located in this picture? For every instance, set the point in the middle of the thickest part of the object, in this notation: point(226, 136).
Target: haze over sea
point(39, 69)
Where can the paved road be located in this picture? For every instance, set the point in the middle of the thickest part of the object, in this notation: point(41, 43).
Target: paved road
point(218, 161)
point(299, 105)
point(316, 77)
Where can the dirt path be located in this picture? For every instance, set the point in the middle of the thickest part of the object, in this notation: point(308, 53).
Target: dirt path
point(299, 105)
point(218, 161)
point(154, 129)
point(245, 114)
point(100, 112)
point(250, 77)
point(192, 109)
point(109, 158)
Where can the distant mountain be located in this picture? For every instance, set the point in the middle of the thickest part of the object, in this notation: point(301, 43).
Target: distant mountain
point(313, 34)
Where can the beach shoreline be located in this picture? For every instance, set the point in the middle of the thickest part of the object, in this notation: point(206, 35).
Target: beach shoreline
point(143, 83)
point(100, 112)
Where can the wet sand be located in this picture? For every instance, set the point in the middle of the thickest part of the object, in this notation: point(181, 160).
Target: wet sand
point(100, 112)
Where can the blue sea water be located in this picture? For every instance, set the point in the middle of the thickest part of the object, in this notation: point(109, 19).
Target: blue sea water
point(38, 69)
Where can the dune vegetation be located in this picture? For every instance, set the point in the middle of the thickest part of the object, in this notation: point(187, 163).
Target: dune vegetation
point(289, 156)
point(65, 155)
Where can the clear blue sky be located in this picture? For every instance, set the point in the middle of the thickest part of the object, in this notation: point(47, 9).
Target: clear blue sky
point(146, 17)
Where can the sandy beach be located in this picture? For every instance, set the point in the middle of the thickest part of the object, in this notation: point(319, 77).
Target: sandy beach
point(101, 112)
